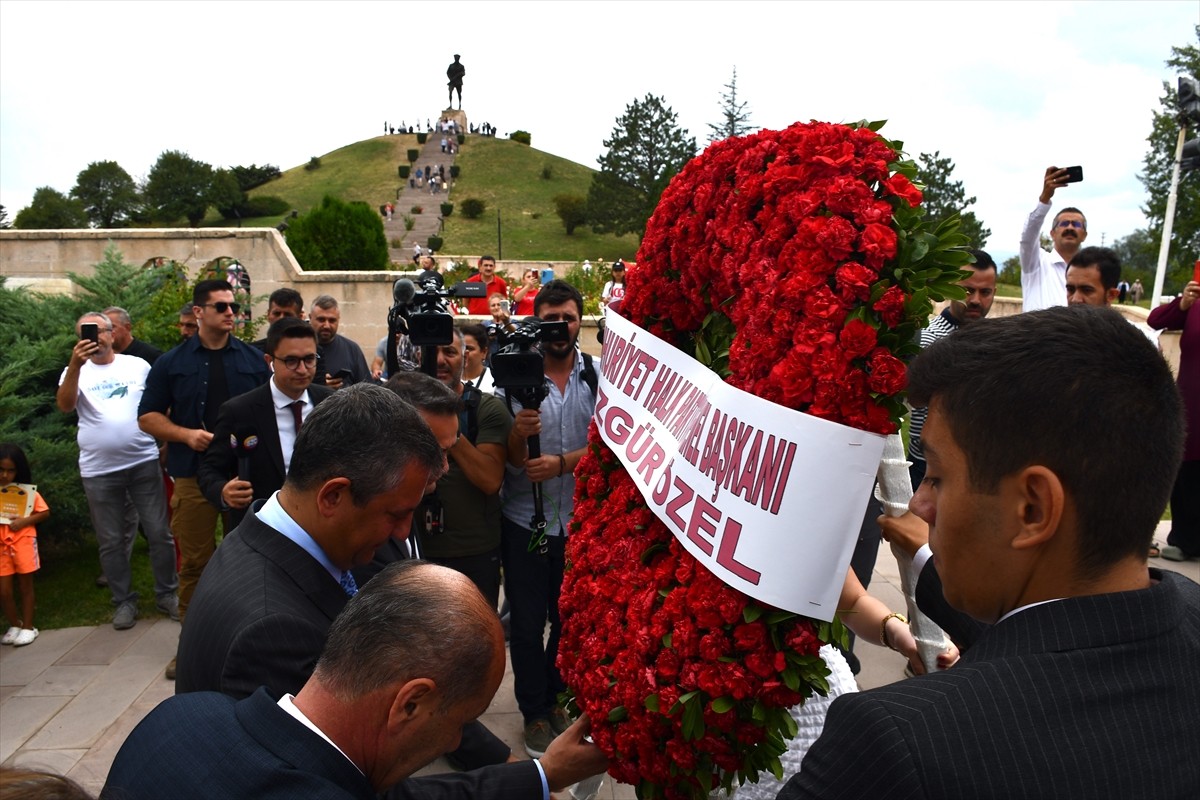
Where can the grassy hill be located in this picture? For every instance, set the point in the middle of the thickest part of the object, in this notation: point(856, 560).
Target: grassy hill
point(507, 175)
point(510, 177)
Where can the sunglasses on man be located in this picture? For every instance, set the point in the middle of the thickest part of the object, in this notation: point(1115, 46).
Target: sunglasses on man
point(222, 306)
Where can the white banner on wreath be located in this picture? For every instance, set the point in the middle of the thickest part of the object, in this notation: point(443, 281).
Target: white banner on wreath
point(767, 498)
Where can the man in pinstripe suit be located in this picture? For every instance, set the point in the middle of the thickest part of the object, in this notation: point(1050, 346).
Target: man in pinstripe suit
point(1082, 680)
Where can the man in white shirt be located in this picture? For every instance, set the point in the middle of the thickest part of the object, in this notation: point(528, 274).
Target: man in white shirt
point(1044, 274)
point(118, 464)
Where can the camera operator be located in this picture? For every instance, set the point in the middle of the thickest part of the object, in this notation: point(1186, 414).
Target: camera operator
point(533, 569)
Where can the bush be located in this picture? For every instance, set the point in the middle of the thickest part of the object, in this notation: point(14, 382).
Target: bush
point(409, 222)
point(454, 170)
point(547, 171)
point(338, 235)
point(572, 210)
point(396, 242)
point(435, 243)
point(447, 209)
point(313, 163)
point(422, 137)
point(413, 154)
point(417, 209)
point(267, 205)
point(473, 207)
point(462, 138)
point(405, 170)
point(521, 136)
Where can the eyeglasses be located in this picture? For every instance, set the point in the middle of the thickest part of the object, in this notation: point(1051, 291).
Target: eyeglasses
point(291, 362)
point(221, 306)
point(1070, 223)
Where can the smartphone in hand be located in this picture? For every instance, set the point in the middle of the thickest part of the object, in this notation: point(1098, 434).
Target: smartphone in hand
point(1074, 174)
point(90, 331)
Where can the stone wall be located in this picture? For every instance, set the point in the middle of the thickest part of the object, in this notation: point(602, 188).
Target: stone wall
point(43, 259)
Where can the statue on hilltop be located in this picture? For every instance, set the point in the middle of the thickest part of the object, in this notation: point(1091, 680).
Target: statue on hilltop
point(455, 73)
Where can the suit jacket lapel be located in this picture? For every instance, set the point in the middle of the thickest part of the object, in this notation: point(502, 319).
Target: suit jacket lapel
point(267, 422)
point(309, 576)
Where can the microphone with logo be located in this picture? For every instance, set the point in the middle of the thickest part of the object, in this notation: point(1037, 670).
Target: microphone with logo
point(243, 441)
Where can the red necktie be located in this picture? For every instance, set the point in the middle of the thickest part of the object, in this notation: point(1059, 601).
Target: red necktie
point(295, 407)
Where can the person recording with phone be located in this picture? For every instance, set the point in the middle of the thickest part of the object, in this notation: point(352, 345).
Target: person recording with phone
point(343, 358)
point(1044, 274)
point(251, 448)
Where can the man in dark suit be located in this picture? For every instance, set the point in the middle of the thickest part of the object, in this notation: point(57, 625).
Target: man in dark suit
point(389, 694)
point(1040, 515)
point(361, 465)
point(271, 414)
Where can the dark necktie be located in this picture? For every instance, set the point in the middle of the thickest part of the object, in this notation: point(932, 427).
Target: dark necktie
point(296, 418)
point(348, 585)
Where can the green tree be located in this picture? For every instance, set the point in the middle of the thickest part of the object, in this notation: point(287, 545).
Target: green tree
point(51, 209)
point(647, 148)
point(1156, 176)
point(1138, 253)
point(1010, 271)
point(338, 235)
point(735, 119)
point(227, 196)
point(572, 210)
point(108, 193)
point(179, 187)
point(945, 196)
point(4, 223)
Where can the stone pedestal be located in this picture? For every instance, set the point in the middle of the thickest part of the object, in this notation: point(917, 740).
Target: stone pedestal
point(459, 117)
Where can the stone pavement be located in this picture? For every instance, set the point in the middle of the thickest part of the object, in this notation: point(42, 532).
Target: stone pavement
point(68, 701)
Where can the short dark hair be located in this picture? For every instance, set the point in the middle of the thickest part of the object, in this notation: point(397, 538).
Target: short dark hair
point(288, 328)
point(555, 293)
point(490, 258)
point(982, 260)
point(188, 310)
point(423, 392)
point(1083, 367)
point(1070, 210)
point(385, 635)
point(1102, 258)
point(366, 434)
point(204, 290)
point(286, 298)
point(478, 333)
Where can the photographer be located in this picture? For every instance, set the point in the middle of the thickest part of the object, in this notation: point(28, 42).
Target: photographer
point(533, 569)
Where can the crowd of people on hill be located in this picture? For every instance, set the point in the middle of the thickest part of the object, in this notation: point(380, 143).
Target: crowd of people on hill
point(348, 629)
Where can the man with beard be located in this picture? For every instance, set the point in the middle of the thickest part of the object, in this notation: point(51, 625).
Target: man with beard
point(981, 291)
point(1044, 274)
point(533, 563)
point(1092, 277)
point(336, 351)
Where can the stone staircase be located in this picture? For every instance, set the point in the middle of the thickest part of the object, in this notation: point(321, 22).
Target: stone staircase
point(428, 222)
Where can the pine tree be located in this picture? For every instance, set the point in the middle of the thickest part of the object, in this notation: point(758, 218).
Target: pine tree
point(736, 119)
point(945, 196)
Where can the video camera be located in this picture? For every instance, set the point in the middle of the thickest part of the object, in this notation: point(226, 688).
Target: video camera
point(420, 311)
point(518, 365)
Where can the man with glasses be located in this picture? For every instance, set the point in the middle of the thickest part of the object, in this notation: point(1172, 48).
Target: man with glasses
point(184, 393)
point(273, 414)
point(1044, 274)
point(119, 466)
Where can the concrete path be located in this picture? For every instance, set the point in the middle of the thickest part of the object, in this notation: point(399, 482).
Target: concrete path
point(68, 701)
point(428, 222)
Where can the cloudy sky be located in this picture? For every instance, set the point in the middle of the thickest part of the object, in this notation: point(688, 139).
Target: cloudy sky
point(1003, 88)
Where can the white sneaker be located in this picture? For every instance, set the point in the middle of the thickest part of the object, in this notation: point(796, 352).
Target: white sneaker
point(11, 636)
point(26, 636)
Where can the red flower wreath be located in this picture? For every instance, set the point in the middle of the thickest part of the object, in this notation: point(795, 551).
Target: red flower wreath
point(793, 263)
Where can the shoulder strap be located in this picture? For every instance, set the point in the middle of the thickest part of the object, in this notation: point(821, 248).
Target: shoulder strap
point(469, 415)
point(589, 373)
